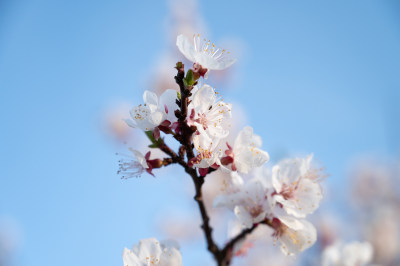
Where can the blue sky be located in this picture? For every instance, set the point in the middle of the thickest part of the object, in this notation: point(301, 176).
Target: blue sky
point(314, 77)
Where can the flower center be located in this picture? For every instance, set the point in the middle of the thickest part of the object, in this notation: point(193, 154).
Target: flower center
point(287, 191)
point(202, 120)
point(141, 112)
point(255, 211)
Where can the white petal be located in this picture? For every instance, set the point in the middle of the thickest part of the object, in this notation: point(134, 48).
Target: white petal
point(170, 257)
point(186, 47)
point(297, 237)
point(156, 118)
point(168, 99)
point(130, 258)
point(247, 152)
point(150, 98)
point(211, 63)
point(236, 180)
point(140, 158)
point(149, 249)
point(243, 216)
point(276, 182)
point(203, 98)
point(130, 123)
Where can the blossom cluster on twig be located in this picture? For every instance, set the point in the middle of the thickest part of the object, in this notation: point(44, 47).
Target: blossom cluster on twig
point(199, 119)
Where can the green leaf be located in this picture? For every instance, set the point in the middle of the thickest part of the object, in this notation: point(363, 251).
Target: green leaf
point(149, 134)
point(179, 95)
point(154, 145)
point(189, 79)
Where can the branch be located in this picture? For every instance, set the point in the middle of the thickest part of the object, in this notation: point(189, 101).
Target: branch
point(186, 141)
point(226, 252)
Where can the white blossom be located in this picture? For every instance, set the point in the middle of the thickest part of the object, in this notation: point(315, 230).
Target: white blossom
point(246, 153)
point(209, 113)
point(296, 185)
point(153, 112)
point(351, 254)
point(251, 202)
point(150, 252)
point(294, 235)
point(135, 166)
point(204, 52)
point(208, 153)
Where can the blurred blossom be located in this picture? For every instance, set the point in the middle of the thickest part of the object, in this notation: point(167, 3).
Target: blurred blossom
point(350, 254)
point(376, 199)
point(171, 222)
point(10, 240)
point(374, 181)
point(114, 123)
point(383, 231)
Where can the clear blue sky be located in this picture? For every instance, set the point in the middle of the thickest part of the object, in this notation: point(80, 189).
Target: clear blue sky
point(318, 77)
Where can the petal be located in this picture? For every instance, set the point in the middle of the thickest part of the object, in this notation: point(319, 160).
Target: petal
point(170, 257)
point(150, 98)
point(186, 47)
point(149, 249)
point(130, 123)
point(207, 61)
point(243, 216)
point(130, 258)
point(298, 236)
point(203, 99)
point(140, 158)
point(168, 99)
point(156, 118)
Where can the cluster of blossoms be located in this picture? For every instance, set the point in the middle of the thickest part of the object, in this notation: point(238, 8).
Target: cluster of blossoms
point(281, 199)
point(199, 119)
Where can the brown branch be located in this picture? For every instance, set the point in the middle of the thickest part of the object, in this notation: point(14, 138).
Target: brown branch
point(186, 141)
point(226, 252)
point(222, 256)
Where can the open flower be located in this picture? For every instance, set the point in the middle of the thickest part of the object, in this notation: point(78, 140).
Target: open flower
point(294, 235)
point(251, 202)
point(246, 153)
point(150, 252)
point(209, 113)
point(351, 254)
point(135, 167)
point(297, 186)
point(153, 112)
point(204, 53)
point(208, 154)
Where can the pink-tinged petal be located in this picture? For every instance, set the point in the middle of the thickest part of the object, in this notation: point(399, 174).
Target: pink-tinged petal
point(156, 133)
point(147, 156)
